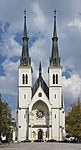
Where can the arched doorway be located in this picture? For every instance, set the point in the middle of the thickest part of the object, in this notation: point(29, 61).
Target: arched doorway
point(34, 135)
point(40, 134)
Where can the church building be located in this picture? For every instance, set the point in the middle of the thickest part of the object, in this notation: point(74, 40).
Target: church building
point(40, 110)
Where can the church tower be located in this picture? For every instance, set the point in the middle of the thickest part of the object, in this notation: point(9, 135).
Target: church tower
point(25, 85)
point(40, 110)
point(55, 88)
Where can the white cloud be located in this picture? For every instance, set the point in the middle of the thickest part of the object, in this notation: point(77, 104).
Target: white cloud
point(72, 88)
point(10, 68)
point(10, 47)
point(39, 19)
point(76, 23)
point(8, 85)
point(8, 82)
point(37, 50)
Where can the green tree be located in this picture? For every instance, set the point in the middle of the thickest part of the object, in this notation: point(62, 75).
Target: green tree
point(73, 120)
point(5, 117)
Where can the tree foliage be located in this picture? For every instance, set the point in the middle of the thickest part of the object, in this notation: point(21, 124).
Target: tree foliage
point(5, 117)
point(73, 120)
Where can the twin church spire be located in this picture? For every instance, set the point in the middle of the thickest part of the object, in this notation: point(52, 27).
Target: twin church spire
point(55, 59)
point(26, 60)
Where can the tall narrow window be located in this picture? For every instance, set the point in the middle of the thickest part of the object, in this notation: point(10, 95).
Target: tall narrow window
point(55, 95)
point(24, 96)
point(46, 134)
point(53, 78)
point(56, 78)
point(26, 79)
point(55, 60)
point(23, 79)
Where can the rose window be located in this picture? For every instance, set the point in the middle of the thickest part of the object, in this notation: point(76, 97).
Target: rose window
point(39, 113)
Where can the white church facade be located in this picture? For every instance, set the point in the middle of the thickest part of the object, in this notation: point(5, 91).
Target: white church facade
point(40, 110)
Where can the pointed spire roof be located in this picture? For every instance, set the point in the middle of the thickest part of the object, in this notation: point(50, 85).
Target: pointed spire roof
point(40, 70)
point(40, 82)
point(55, 59)
point(25, 59)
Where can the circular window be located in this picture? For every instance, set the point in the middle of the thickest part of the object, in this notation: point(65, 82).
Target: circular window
point(40, 113)
point(40, 94)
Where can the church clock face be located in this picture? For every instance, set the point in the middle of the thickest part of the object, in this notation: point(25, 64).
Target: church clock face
point(39, 113)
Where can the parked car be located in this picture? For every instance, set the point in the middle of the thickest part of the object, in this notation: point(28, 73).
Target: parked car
point(24, 141)
point(0, 140)
point(39, 140)
point(52, 140)
point(69, 140)
point(15, 141)
point(73, 140)
point(64, 141)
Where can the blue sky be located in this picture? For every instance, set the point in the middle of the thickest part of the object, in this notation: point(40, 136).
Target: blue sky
point(40, 31)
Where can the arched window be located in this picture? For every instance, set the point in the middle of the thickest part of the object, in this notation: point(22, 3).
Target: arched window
point(55, 60)
point(53, 78)
point(24, 96)
point(55, 116)
point(26, 79)
point(34, 134)
point(46, 134)
point(23, 79)
point(55, 95)
point(56, 78)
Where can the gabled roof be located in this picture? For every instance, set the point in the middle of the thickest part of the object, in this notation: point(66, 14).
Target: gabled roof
point(40, 81)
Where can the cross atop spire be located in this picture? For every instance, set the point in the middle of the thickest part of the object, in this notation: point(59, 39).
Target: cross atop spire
point(55, 30)
point(24, 12)
point(55, 11)
point(25, 30)
point(25, 59)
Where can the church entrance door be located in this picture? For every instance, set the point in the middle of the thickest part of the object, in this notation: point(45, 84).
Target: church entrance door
point(40, 134)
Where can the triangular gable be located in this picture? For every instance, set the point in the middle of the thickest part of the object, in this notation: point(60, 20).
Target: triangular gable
point(40, 81)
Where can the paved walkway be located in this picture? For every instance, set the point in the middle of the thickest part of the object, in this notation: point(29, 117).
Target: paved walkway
point(41, 146)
